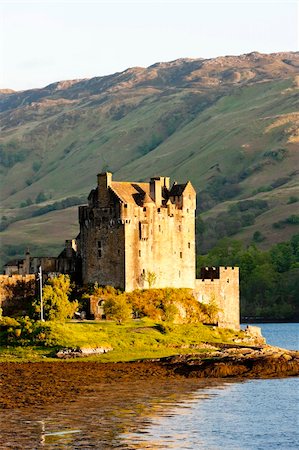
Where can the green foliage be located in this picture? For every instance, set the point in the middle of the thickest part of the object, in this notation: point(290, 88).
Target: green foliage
point(41, 197)
point(291, 220)
point(27, 202)
point(24, 332)
point(258, 236)
point(36, 165)
point(55, 299)
point(293, 199)
point(20, 297)
point(11, 155)
point(278, 155)
point(169, 304)
point(117, 308)
point(149, 278)
point(63, 204)
point(135, 339)
point(239, 215)
point(269, 281)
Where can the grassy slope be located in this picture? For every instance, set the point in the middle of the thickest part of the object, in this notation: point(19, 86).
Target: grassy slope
point(132, 340)
point(217, 132)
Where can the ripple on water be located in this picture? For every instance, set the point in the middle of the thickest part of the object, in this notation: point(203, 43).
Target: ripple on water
point(98, 420)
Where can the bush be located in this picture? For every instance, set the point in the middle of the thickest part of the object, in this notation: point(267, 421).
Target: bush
point(293, 199)
point(55, 298)
point(258, 236)
point(24, 332)
point(117, 308)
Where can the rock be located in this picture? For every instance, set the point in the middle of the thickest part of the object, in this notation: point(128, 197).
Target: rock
point(78, 352)
point(254, 331)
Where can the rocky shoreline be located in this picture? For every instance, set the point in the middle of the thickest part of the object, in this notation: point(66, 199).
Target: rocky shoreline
point(243, 362)
point(38, 384)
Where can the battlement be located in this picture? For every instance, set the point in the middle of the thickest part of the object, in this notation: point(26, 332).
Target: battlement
point(220, 285)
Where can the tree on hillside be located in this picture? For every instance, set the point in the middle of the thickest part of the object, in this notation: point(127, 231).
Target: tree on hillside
point(56, 299)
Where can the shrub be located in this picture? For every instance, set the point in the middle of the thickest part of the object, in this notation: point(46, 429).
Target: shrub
point(293, 199)
point(258, 236)
point(55, 298)
point(117, 308)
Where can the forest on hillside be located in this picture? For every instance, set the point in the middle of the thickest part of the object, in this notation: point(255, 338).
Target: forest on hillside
point(269, 280)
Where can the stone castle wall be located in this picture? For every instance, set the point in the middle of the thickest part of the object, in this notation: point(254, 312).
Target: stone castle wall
point(220, 286)
point(161, 241)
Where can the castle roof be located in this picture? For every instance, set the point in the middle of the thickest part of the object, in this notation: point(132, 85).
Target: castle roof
point(130, 192)
point(177, 189)
point(14, 262)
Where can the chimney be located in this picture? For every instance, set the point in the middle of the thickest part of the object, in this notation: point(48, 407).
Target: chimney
point(70, 245)
point(156, 190)
point(104, 181)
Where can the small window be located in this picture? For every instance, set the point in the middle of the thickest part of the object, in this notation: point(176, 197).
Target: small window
point(159, 227)
point(118, 252)
point(159, 210)
point(125, 205)
point(144, 209)
point(189, 245)
point(99, 244)
point(100, 253)
point(181, 254)
point(179, 274)
point(139, 252)
point(180, 228)
point(187, 210)
point(227, 280)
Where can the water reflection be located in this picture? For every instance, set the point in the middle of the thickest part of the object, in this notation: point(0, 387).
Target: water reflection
point(115, 415)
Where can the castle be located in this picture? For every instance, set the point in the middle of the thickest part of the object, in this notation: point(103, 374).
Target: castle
point(131, 230)
point(142, 235)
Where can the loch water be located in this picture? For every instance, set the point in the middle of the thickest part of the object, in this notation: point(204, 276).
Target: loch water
point(172, 414)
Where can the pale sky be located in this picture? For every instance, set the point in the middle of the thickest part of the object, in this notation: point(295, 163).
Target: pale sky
point(44, 41)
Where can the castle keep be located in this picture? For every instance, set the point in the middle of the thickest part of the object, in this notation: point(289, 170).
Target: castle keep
point(131, 233)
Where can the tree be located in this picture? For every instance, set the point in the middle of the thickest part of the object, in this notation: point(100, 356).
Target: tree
point(149, 277)
point(55, 299)
point(282, 256)
point(117, 308)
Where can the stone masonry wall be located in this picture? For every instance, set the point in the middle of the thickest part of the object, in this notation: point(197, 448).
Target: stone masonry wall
point(160, 241)
point(224, 292)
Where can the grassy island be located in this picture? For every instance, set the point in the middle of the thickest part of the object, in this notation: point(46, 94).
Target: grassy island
point(133, 339)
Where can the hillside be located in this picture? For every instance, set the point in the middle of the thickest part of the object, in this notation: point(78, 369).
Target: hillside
point(228, 124)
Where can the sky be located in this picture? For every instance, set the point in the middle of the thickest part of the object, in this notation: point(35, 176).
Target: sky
point(44, 41)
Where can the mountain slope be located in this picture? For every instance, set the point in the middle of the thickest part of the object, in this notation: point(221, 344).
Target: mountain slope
point(228, 124)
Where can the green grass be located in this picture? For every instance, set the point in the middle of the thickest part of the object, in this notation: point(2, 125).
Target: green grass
point(138, 339)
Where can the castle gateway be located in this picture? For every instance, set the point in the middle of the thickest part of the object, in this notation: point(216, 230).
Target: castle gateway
point(138, 235)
